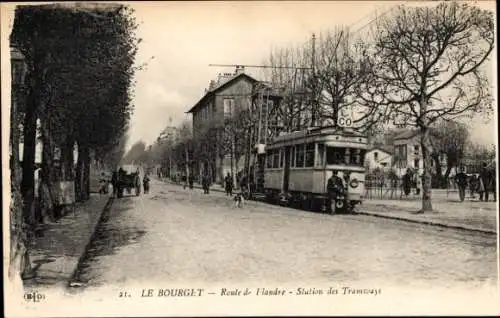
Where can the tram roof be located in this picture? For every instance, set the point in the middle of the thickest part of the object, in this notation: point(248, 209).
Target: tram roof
point(318, 131)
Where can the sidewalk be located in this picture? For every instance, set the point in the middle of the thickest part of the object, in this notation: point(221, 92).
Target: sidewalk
point(56, 252)
point(468, 215)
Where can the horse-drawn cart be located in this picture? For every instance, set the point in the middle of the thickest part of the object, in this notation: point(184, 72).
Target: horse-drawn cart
point(127, 181)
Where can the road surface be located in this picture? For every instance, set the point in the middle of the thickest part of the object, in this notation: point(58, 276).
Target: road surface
point(174, 235)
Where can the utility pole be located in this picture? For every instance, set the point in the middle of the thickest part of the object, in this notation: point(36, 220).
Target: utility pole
point(313, 75)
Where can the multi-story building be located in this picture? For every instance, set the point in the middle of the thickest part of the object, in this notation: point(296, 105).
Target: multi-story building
point(223, 98)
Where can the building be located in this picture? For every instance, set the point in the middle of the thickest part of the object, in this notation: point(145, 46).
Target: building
point(224, 96)
point(408, 154)
point(378, 158)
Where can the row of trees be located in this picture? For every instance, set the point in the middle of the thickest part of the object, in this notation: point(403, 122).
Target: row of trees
point(415, 67)
point(78, 82)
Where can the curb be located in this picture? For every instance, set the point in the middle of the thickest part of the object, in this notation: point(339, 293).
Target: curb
point(431, 223)
point(73, 280)
point(456, 227)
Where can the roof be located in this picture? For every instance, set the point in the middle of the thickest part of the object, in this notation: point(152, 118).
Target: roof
point(218, 88)
point(347, 132)
point(382, 148)
point(407, 134)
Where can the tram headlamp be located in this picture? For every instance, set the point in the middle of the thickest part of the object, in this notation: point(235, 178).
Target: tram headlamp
point(354, 183)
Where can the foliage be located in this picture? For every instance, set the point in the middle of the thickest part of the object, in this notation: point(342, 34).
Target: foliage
point(449, 139)
point(136, 153)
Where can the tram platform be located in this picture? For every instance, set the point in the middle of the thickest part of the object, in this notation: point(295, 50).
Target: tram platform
point(473, 215)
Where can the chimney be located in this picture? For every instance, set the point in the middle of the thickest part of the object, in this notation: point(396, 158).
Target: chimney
point(239, 70)
point(211, 85)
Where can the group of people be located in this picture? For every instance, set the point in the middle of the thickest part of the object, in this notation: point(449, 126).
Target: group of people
point(481, 184)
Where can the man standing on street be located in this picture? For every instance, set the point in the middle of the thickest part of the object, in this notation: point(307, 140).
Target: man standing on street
point(229, 184)
point(484, 183)
point(206, 184)
point(461, 181)
point(334, 187)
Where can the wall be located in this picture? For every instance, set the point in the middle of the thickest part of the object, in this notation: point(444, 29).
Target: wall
point(382, 158)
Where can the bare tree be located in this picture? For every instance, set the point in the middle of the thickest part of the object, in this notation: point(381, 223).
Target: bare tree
point(427, 67)
point(339, 73)
point(288, 74)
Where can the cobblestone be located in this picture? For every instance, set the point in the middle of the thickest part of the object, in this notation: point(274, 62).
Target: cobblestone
point(175, 235)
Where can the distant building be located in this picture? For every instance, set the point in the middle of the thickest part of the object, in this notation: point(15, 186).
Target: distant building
point(378, 158)
point(170, 134)
point(408, 154)
point(223, 98)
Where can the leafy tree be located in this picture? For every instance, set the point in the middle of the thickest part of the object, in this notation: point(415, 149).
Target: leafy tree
point(135, 153)
point(70, 53)
point(427, 67)
point(448, 139)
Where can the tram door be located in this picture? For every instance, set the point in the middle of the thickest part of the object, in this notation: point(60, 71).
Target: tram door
point(286, 168)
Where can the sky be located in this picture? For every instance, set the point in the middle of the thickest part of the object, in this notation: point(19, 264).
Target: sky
point(185, 37)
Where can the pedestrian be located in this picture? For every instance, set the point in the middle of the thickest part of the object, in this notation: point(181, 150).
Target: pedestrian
point(484, 183)
point(206, 184)
point(145, 183)
point(191, 181)
point(407, 179)
point(335, 188)
point(103, 184)
point(461, 181)
point(114, 183)
point(472, 185)
point(229, 184)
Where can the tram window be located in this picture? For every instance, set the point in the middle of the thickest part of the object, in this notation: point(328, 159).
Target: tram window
point(269, 160)
point(335, 156)
point(309, 157)
point(299, 156)
point(276, 158)
point(320, 159)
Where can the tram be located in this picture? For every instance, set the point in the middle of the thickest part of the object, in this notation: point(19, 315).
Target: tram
point(299, 164)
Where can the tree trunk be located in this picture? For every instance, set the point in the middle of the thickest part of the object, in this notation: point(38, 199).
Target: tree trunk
point(82, 177)
point(28, 165)
point(47, 173)
point(86, 177)
point(427, 176)
point(67, 161)
point(19, 262)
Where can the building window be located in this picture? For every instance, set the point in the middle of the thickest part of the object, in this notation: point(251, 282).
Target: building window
point(375, 155)
point(416, 163)
point(228, 107)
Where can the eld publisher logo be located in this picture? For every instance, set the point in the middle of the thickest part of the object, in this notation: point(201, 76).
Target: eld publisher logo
point(34, 297)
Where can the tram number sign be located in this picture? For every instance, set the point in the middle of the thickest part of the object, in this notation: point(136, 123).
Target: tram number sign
point(344, 121)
